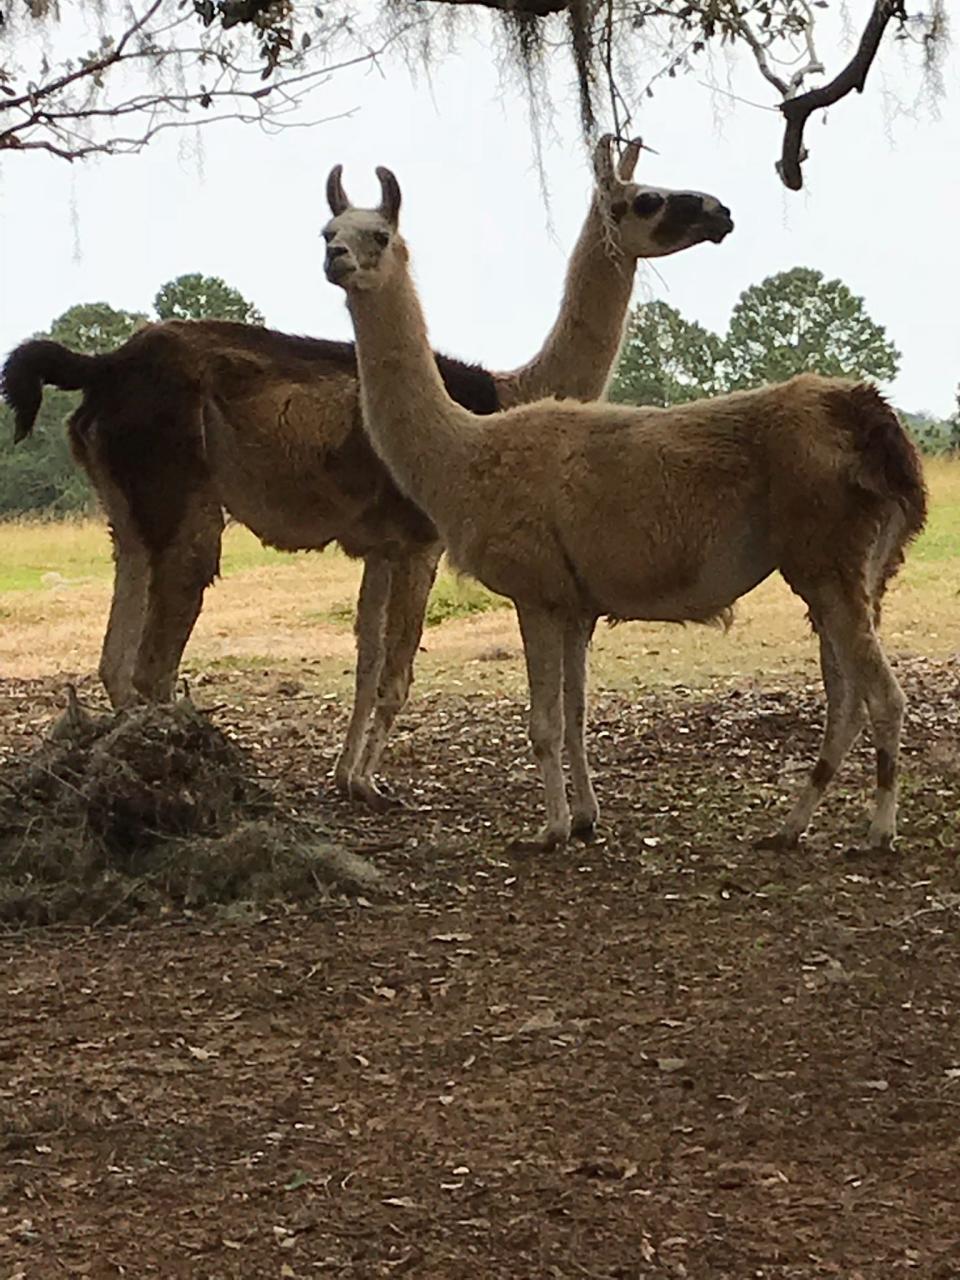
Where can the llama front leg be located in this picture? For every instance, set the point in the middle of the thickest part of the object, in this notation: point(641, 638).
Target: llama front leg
point(368, 630)
point(576, 641)
point(542, 634)
point(411, 581)
point(179, 575)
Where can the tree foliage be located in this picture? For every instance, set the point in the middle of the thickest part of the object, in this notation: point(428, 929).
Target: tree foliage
point(106, 76)
point(796, 322)
point(198, 297)
point(256, 59)
point(790, 323)
point(666, 359)
point(95, 327)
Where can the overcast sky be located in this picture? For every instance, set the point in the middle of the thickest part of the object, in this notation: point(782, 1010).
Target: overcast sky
point(880, 208)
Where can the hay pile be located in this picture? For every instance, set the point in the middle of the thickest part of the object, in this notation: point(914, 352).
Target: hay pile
point(150, 808)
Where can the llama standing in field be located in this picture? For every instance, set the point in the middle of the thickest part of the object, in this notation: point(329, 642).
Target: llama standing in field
point(187, 419)
point(576, 511)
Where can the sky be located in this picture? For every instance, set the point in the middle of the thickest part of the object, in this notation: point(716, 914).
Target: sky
point(879, 208)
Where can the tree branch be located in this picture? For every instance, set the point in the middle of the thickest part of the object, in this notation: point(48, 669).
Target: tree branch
point(798, 110)
point(528, 8)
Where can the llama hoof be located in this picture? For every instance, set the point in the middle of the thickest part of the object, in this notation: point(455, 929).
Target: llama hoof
point(880, 841)
point(546, 842)
point(777, 842)
point(584, 829)
point(364, 791)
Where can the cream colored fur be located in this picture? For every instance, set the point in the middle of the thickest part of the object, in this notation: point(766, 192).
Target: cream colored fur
point(576, 511)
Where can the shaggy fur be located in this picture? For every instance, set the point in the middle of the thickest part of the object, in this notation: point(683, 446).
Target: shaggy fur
point(187, 419)
point(576, 511)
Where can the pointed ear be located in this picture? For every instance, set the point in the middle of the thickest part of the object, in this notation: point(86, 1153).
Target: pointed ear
point(603, 162)
point(336, 196)
point(628, 160)
point(389, 195)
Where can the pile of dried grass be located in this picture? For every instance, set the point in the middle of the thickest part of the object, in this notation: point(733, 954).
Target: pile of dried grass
point(148, 808)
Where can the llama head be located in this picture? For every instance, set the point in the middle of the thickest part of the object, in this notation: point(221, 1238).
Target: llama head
point(650, 222)
point(362, 244)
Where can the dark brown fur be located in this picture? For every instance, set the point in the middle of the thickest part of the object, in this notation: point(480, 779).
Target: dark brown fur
point(890, 468)
point(146, 403)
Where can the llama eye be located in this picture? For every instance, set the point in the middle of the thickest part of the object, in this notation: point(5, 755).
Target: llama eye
point(646, 203)
point(327, 235)
point(382, 238)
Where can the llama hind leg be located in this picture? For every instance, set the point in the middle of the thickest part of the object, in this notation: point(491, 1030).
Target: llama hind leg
point(863, 662)
point(131, 578)
point(410, 584)
point(179, 575)
point(845, 717)
point(576, 640)
point(543, 649)
point(368, 629)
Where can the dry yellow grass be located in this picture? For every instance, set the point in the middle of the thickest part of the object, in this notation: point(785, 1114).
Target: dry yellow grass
point(290, 614)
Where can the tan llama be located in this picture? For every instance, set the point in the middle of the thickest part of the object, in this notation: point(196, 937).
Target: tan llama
point(577, 511)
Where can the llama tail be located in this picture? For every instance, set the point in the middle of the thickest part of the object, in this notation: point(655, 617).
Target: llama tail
point(32, 366)
point(889, 464)
point(889, 468)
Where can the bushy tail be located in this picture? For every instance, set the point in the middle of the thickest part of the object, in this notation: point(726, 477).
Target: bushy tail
point(889, 464)
point(32, 366)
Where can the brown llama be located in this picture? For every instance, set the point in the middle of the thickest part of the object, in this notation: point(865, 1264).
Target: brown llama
point(578, 511)
point(188, 419)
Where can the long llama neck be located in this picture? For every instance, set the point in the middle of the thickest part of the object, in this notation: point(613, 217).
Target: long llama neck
point(576, 360)
point(418, 431)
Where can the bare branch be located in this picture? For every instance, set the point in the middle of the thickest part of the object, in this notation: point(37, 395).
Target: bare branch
point(528, 8)
point(197, 76)
point(798, 110)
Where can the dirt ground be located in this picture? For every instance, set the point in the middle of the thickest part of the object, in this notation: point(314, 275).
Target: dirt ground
point(667, 1054)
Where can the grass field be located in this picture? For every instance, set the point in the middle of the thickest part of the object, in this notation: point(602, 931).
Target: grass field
point(295, 613)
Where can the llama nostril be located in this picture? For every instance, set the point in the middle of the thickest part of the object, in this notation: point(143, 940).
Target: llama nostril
point(335, 251)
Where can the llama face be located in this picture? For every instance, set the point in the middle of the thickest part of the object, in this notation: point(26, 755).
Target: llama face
point(361, 243)
point(654, 222)
point(359, 247)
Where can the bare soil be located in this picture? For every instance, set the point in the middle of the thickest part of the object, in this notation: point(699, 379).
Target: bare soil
point(666, 1054)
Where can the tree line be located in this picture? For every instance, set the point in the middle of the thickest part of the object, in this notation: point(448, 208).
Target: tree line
point(789, 323)
point(793, 322)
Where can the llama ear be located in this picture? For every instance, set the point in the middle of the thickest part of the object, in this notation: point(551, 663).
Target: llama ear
point(389, 195)
point(628, 160)
point(603, 162)
point(336, 196)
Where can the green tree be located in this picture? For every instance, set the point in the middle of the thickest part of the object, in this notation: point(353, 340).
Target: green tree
point(666, 359)
point(797, 321)
point(953, 427)
point(95, 327)
point(41, 475)
point(198, 297)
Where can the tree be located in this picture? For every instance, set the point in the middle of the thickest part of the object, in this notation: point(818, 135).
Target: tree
point(199, 297)
point(781, 36)
point(666, 359)
point(257, 59)
point(798, 321)
point(162, 64)
point(95, 327)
